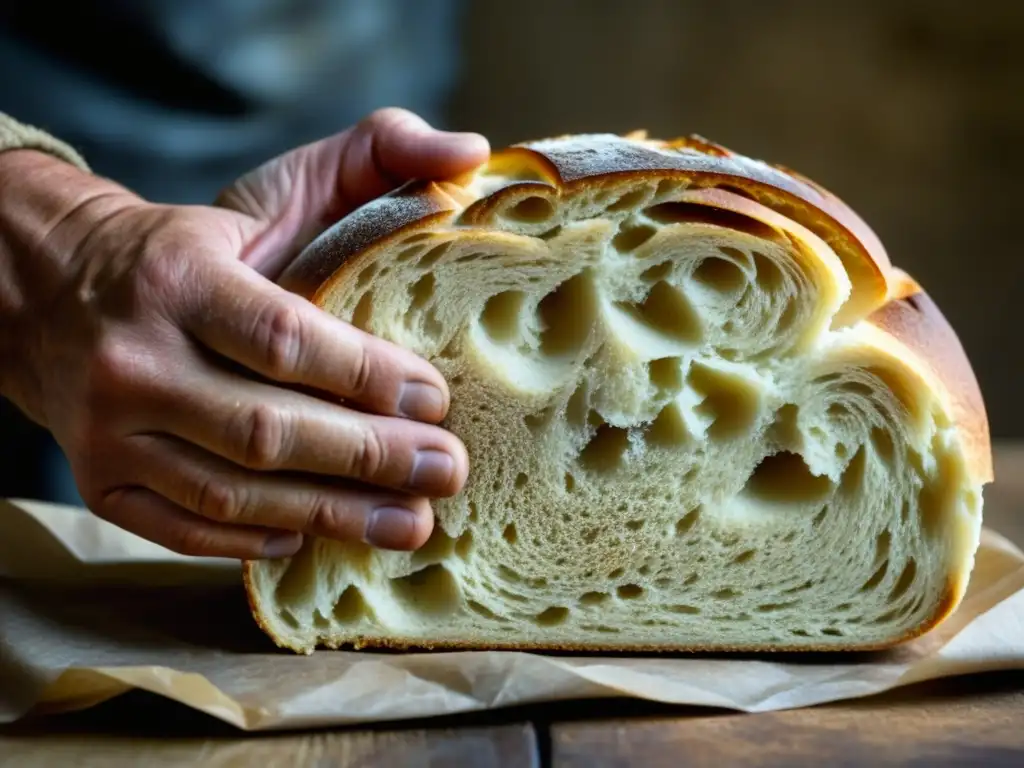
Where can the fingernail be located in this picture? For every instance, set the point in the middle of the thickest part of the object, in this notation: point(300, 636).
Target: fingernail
point(422, 402)
point(431, 469)
point(390, 527)
point(282, 545)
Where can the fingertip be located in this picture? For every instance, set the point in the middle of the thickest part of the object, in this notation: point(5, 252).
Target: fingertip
point(404, 527)
point(282, 544)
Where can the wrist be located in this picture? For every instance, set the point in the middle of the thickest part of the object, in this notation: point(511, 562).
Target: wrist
point(47, 207)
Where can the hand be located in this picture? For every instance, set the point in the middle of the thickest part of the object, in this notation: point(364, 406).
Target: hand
point(178, 378)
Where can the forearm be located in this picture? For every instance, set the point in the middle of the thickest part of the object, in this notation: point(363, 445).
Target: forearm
point(43, 201)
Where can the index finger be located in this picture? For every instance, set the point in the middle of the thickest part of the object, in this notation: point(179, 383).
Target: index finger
point(284, 338)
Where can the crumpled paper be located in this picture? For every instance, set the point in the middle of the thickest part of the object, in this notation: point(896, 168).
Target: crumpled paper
point(88, 612)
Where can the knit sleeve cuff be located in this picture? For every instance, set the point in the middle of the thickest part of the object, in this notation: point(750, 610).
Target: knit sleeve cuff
point(15, 135)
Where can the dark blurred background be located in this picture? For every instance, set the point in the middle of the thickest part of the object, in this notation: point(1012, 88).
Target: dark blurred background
point(910, 110)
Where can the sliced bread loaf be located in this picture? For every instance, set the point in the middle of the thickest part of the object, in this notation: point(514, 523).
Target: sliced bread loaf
point(702, 409)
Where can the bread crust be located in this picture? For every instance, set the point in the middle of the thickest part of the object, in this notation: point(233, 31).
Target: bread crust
point(882, 295)
point(915, 320)
point(564, 165)
point(943, 609)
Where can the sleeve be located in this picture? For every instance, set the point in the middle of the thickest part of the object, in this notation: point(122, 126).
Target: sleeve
point(15, 135)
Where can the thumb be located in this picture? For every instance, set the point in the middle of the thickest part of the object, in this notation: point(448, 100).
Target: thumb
point(298, 194)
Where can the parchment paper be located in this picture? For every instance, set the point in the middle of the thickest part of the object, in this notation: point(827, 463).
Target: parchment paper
point(88, 612)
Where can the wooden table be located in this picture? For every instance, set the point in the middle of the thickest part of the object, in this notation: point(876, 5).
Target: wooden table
point(957, 722)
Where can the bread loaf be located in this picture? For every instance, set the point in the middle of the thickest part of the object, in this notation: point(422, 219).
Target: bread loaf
point(703, 412)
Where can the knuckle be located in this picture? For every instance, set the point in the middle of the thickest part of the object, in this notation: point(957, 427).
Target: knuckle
point(324, 516)
point(260, 437)
point(112, 371)
point(280, 335)
point(194, 541)
point(360, 370)
point(220, 500)
point(371, 454)
point(162, 267)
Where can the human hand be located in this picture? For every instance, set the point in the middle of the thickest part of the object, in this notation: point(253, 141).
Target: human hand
point(179, 380)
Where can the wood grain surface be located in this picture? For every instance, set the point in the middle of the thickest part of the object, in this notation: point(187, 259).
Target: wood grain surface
point(502, 746)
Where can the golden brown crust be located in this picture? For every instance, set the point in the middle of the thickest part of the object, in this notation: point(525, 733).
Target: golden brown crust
point(423, 204)
point(565, 165)
point(915, 320)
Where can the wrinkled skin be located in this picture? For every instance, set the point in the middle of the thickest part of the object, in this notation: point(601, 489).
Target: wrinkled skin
point(200, 405)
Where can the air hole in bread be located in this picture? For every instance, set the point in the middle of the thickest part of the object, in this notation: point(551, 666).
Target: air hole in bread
point(876, 577)
point(731, 402)
point(570, 482)
point(551, 234)
point(667, 188)
point(297, 585)
point(501, 316)
point(666, 374)
point(800, 632)
point(819, 518)
point(629, 238)
point(567, 316)
point(832, 632)
point(667, 311)
point(510, 534)
point(552, 616)
point(521, 480)
point(858, 388)
point(629, 591)
point(720, 275)
point(531, 210)
point(431, 257)
point(363, 312)
point(798, 588)
point(431, 591)
point(366, 276)
point(775, 607)
point(474, 512)
point(536, 422)
point(508, 574)
point(769, 275)
point(687, 521)
point(593, 598)
point(629, 200)
point(464, 545)
point(482, 610)
point(854, 474)
point(657, 272)
point(906, 578)
point(744, 557)
point(690, 610)
point(351, 606)
point(695, 213)
point(437, 548)
point(883, 542)
point(635, 525)
point(668, 429)
point(606, 450)
point(726, 593)
point(784, 478)
point(408, 254)
point(617, 573)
